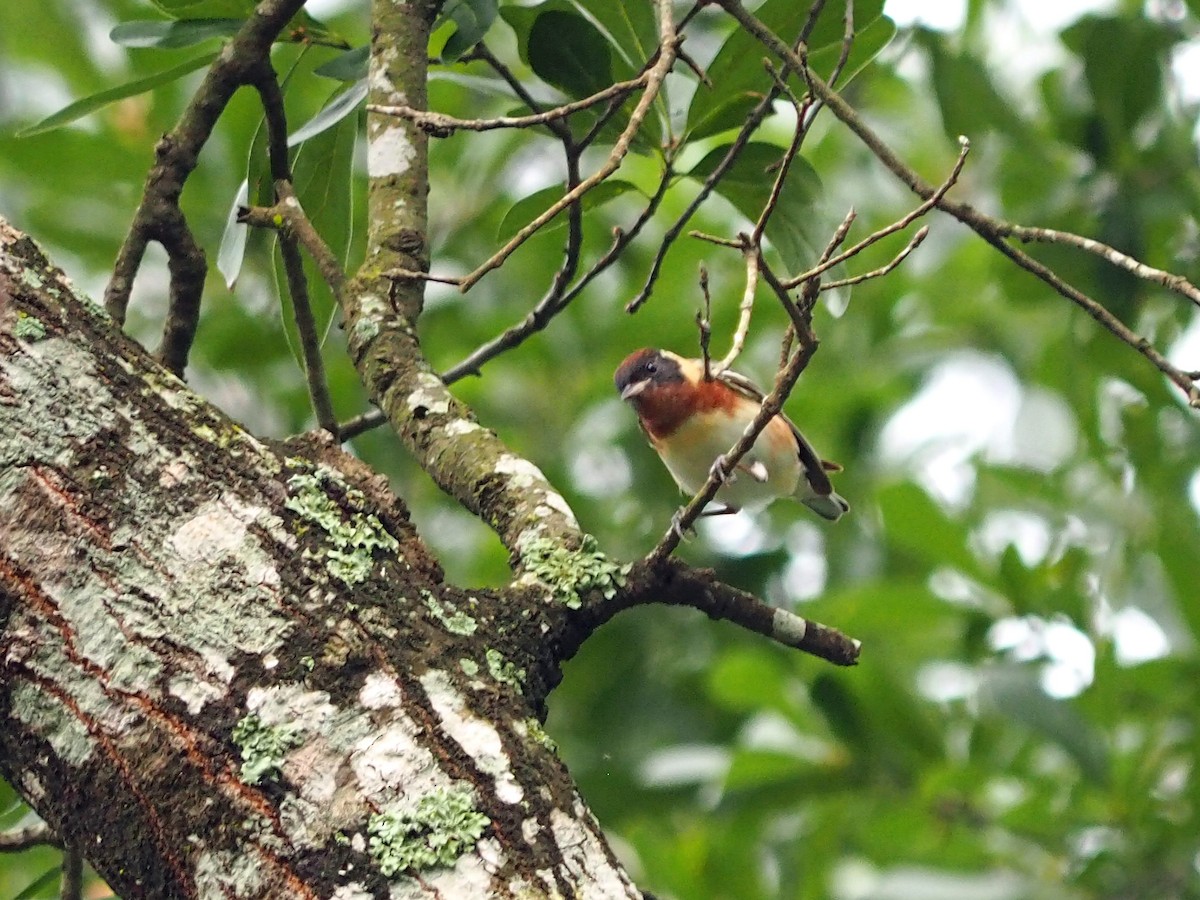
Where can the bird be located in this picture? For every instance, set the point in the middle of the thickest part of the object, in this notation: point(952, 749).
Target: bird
point(692, 419)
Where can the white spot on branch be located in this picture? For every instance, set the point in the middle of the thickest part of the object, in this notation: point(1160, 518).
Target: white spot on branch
point(462, 426)
point(523, 473)
point(380, 691)
point(431, 395)
point(390, 152)
point(477, 737)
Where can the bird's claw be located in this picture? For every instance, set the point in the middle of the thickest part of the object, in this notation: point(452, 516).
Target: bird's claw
point(677, 526)
point(720, 470)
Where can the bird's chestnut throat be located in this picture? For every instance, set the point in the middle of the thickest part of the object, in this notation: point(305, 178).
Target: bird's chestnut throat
point(665, 407)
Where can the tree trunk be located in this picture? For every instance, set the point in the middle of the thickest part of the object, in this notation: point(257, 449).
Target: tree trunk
point(230, 669)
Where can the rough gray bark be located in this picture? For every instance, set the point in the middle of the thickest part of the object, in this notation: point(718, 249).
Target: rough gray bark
point(232, 669)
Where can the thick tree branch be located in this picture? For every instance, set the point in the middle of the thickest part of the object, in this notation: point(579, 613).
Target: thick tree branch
point(251, 647)
point(159, 217)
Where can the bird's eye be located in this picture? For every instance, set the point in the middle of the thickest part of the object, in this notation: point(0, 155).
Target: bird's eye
point(651, 367)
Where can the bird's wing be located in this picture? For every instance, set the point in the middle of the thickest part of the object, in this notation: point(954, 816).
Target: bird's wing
point(814, 467)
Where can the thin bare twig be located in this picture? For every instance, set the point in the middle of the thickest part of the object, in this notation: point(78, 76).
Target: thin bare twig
point(71, 886)
point(913, 244)
point(423, 276)
point(704, 323)
point(17, 839)
point(751, 255)
point(482, 52)
point(440, 125)
point(899, 225)
point(541, 314)
point(289, 249)
point(1175, 283)
point(675, 583)
point(669, 42)
point(993, 230)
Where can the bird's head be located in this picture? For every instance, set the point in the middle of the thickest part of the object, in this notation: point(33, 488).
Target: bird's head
point(647, 370)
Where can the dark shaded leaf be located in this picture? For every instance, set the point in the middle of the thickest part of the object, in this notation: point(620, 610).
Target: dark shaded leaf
point(350, 65)
point(472, 19)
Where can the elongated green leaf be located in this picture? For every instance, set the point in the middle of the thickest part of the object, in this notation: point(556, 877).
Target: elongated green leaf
point(42, 885)
point(232, 251)
point(303, 28)
point(201, 9)
point(526, 210)
point(169, 35)
point(918, 526)
point(341, 105)
point(81, 108)
point(747, 185)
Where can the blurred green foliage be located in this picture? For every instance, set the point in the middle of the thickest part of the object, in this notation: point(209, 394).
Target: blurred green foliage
point(1021, 561)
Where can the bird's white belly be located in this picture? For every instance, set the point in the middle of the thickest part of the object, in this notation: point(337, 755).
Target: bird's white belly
point(691, 450)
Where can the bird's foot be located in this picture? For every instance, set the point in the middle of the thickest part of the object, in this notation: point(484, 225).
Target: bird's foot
point(677, 526)
point(720, 469)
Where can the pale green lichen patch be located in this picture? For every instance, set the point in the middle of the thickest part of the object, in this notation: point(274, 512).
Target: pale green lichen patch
point(29, 328)
point(453, 619)
point(365, 330)
point(351, 538)
point(469, 666)
point(537, 734)
point(32, 279)
point(263, 746)
point(504, 671)
point(443, 826)
point(571, 573)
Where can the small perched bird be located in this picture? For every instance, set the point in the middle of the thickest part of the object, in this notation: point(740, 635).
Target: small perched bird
point(692, 421)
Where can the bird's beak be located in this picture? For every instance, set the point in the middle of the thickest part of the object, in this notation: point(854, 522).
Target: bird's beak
point(634, 389)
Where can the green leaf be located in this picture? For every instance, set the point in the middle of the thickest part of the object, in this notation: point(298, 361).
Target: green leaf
point(472, 19)
point(81, 108)
point(750, 680)
point(232, 250)
point(1123, 94)
point(1014, 693)
point(630, 27)
point(917, 525)
point(302, 29)
point(737, 73)
point(868, 43)
point(526, 210)
point(42, 883)
point(350, 65)
point(161, 35)
point(747, 185)
point(202, 9)
point(967, 98)
point(567, 51)
point(342, 104)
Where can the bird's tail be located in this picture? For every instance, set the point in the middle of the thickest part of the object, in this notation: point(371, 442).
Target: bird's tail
point(831, 506)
